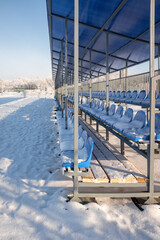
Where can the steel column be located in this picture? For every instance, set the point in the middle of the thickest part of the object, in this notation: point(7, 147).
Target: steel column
point(158, 82)
point(90, 83)
point(66, 75)
point(107, 75)
point(61, 77)
point(81, 82)
point(76, 59)
point(152, 103)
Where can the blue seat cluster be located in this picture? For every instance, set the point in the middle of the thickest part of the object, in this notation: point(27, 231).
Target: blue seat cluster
point(66, 136)
point(134, 128)
point(125, 97)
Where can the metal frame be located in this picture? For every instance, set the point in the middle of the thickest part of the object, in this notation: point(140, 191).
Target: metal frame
point(150, 186)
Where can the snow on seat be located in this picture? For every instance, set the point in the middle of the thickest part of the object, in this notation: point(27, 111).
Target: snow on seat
point(138, 122)
point(93, 107)
point(109, 120)
point(68, 144)
point(140, 98)
point(96, 107)
point(84, 156)
point(100, 110)
point(134, 95)
point(69, 136)
point(140, 135)
point(110, 112)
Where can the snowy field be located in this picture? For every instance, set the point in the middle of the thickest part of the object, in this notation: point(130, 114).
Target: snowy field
point(33, 190)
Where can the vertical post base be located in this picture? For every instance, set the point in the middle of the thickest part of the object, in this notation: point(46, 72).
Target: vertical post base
point(97, 127)
point(107, 135)
point(122, 147)
point(90, 121)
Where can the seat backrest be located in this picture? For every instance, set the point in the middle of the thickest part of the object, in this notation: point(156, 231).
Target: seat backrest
point(129, 113)
point(84, 137)
point(113, 93)
point(98, 104)
point(119, 111)
point(102, 106)
point(110, 93)
point(80, 130)
point(118, 94)
point(112, 109)
point(89, 146)
point(158, 97)
point(128, 94)
point(134, 94)
point(142, 94)
point(157, 121)
point(140, 116)
point(123, 93)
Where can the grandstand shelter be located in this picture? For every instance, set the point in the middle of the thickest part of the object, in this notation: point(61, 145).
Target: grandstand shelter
point(93, 39)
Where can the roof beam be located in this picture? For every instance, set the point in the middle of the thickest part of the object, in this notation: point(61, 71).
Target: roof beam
point(104, 25)
point(104, 30)
point(93, 50)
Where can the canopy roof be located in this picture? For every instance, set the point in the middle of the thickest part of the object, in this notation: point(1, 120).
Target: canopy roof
point(125, 21)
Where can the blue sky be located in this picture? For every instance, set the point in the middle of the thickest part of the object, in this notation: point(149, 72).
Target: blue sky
point(24, 39)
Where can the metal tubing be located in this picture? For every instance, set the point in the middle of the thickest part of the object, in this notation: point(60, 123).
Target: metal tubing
point(119, 195)
point(61, 77)
point(158, 83)
point(152, 102)
point(107, 75)
point(112, 185)
point(122, 147)
point(76, 59)
point(90, 83)
point(81, 82)
point(66, 75)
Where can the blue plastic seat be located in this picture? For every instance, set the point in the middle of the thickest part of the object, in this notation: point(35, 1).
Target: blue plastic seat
point(113, 95)
point(137, 122)
point(109, 120)
point(126, 97)
point(110, 112)
point(158, 101)
point(84, 156)
point(140, 98)
point(122, 96)
point(68, 144)
point(146, 102)
point(100, 110)
point(117, 96)
point(134, 96)
point(140, 135)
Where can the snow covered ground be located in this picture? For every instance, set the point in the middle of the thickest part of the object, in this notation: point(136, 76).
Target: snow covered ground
point(33, 190)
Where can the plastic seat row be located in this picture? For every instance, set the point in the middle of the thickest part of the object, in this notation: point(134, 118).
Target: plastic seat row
point(66, 137)
point(133, 128)
point(126, 97)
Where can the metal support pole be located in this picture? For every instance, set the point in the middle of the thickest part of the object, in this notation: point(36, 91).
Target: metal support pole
point(126, 74)
point(90, 80)
point(66, 75)
point(61, 76)
point(158, 82)
point(152, 103)
point(122, 147)
point(97, 127)
point(107, 82)
point(107, 76)
point(81, 82)
point(76, 59)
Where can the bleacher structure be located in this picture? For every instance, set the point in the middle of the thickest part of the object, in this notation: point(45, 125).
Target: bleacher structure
point(89, 41)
